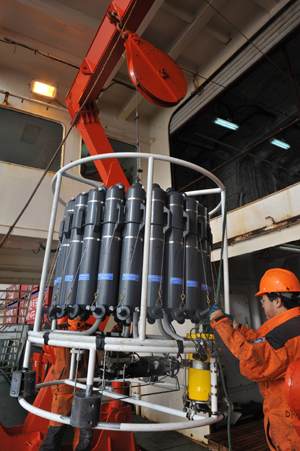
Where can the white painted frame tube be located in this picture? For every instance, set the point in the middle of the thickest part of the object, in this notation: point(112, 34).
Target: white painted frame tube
point(145, 269)
point(89, 342)
point(214, 385)
point(147, 349)
point(72, 365)
point(114, 347)
point(146, 156)
point(198, 420)
point(39, 307)
point(91, 371)
point(126, 427)
point(45, 268)
point(118, 396)
point(148, 341)
point(225, 256)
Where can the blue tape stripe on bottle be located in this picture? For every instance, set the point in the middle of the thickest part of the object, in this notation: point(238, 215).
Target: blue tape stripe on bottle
point(84, 277)
point(134, 277)
point(176, 280)
point(69, 278)
point(192, 283)
point(155, 279)
point(105, 276)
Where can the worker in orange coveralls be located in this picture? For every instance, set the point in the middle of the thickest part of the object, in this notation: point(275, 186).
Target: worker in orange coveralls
point(62, 395)
point(265, 355)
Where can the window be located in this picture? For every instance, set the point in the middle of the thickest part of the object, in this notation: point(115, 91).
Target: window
point(129, 165)
point(29, 140)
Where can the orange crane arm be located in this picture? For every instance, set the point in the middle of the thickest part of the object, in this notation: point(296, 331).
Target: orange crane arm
point(103, 55)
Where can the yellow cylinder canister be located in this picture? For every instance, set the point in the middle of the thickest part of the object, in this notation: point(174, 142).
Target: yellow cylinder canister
point(199, 375)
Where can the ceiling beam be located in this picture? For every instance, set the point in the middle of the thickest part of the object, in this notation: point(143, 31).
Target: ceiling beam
point(203, 15)
point(221, 36)
point(67, 15)
point(180, 13)
point(41, 46)
point(268, 5)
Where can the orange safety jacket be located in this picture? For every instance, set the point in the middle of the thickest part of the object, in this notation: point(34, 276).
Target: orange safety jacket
point(264, 357)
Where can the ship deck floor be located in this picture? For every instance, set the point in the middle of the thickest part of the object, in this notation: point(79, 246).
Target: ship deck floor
point(244, 437)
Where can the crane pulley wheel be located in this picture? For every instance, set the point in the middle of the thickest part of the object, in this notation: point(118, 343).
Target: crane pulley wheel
point(155, 74)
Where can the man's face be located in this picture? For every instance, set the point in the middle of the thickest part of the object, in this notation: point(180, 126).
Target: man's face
point(269, 307)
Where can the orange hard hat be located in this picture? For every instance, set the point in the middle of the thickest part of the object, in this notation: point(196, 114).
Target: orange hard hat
point(278, 280)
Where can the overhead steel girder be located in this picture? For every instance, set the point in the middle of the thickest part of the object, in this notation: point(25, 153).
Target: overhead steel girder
point(102, 56)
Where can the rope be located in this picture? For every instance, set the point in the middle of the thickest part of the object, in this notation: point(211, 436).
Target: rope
point(214, 344)
point(204, 272)
point(230, 406)
point(221, 257)
point(215, 352)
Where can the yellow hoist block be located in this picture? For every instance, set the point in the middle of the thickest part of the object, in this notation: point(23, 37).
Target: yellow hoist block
point(199, 374)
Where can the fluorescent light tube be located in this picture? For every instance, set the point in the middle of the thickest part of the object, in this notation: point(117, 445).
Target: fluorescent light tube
point(278, 143)
point(226, 124)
